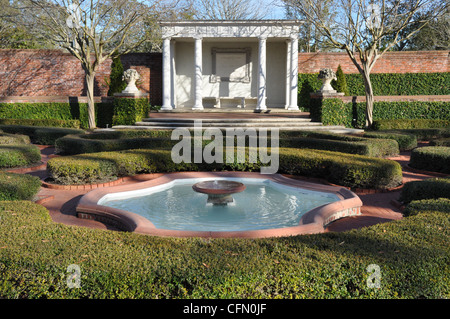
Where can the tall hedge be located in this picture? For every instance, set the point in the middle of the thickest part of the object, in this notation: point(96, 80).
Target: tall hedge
point(128, 111)
point(56, 114)
point(336, 112)
point(382, 83)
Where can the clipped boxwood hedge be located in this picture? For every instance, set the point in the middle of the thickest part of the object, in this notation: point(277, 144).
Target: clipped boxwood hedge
point(424, 134)
point(412, 253)
point(100, 142)
point(427, 205)
point(440, 142)
point(432, 188)
point(133, 139)
point(18, 186)
point(41, 135)
point(431, 158)
point(42, 122)
point(386, 115)
point(399, 124)
point(6, 138)
point(340, 168)
point(72, 114)
point(128, 111)
point(361, 146)
point(19, 155)
point(405, 141)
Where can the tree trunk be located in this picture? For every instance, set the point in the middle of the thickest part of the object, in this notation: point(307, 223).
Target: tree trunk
point(90, 76)
point(369, 98)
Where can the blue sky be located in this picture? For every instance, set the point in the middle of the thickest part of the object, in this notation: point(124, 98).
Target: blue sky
point(276, 9)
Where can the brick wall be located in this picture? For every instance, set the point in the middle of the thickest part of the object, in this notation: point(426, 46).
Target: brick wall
point(390, 62)
point(57, 73)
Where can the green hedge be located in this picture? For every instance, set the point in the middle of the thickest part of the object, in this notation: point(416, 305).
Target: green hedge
point(382, 83)
point(51, 111)
point(41, 135)
point(386, 115)
point(431, 158)
point(440, 142)
point(127, 139)
point(332, 112)
point(427, 205)
point(18, 186)
point(340, 168)
point(432, 188)
point(424, 134)
point(412, 253)
point(361, 146)
point(19, 155)
point(6, 138)
point(405, 141)
point(72, 114)
point(128, 111)
point(101, 141)
point(42, 122)
point(404, 124)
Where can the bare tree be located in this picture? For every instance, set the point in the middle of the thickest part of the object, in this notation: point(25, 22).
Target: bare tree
point(310, 39)
point(93, 31)
point(366, 29)
point(228, 9)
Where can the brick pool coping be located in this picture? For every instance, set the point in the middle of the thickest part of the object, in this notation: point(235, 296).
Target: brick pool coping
point(313, 221)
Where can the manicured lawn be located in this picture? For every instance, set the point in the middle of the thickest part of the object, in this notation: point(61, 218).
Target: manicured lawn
point(412, 255)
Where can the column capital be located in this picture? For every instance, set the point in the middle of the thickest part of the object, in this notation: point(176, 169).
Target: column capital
point(262, 37)
point(198, 37)
point(167, 38)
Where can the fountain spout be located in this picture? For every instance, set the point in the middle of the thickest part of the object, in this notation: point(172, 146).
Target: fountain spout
point(219, 191)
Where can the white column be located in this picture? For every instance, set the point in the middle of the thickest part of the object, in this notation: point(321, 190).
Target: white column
point(294, 74)
point(172, 75)
point(288, 73)
point(198, 80)
point(262, 87)
point(166, 73)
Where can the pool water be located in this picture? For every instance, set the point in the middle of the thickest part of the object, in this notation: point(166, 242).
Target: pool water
point(262, 205)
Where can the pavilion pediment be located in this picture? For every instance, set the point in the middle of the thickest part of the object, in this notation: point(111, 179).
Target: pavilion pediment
point(224, 29)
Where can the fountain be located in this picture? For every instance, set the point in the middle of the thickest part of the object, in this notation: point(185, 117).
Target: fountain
point(174, 205)
point(219, 191)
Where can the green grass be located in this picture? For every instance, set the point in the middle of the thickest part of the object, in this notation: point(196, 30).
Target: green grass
point(413, 256)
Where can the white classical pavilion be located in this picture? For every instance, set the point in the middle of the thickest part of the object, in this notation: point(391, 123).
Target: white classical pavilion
point(239, 64)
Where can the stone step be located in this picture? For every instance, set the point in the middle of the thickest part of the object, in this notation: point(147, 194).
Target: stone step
point(225, 120)
point(229, 124)
point(229, 110)
point(337, 129)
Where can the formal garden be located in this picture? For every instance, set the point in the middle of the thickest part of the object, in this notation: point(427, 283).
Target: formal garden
point(412, 253)
point(396, 157)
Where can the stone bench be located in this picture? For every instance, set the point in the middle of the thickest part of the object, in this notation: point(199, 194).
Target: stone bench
point(241, 100)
